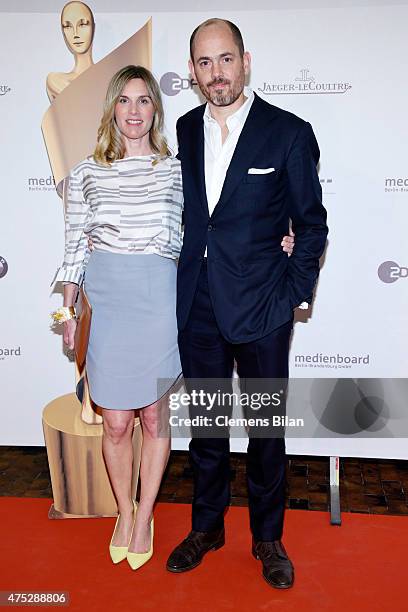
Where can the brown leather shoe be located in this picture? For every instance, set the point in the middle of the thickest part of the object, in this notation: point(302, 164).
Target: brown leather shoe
point(191, 551)
point(278, 569)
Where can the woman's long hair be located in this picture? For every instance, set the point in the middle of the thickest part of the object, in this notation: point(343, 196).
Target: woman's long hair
point(110, 145)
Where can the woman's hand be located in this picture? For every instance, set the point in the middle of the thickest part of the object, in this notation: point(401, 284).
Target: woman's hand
point(69, 332)
point(288, 243)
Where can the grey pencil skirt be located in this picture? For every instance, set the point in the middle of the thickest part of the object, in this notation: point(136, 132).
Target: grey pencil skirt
point(132, 346)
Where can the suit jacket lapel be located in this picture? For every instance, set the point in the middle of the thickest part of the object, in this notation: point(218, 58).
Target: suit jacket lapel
point(197, 158)
point(252, 138)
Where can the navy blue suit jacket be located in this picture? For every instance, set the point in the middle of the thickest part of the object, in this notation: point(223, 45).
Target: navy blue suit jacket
point(253, 284)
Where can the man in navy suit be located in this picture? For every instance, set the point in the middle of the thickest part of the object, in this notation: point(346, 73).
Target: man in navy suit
point(248, 169)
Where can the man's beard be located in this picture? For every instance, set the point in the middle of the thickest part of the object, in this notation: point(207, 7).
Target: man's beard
point(226, 97)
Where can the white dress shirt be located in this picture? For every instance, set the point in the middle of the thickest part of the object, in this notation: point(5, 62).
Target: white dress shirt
point(217, 155)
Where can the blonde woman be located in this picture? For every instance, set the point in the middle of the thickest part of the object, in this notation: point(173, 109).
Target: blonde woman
point(127, 198)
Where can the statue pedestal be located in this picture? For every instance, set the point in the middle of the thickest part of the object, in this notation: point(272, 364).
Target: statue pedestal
point(80, 482)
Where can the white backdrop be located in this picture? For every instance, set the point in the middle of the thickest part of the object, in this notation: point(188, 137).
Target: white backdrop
point(345, 70)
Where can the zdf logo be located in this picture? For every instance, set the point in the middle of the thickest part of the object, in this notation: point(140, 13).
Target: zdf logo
point(3, 267)
point(389, 272)
point(171, 83)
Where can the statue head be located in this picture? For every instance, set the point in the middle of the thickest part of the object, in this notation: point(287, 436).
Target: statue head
point(78, 26)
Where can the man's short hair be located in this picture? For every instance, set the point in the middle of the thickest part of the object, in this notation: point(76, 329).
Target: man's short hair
point(235, 31)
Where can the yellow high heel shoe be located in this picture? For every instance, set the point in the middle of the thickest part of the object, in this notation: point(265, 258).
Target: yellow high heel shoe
point(136, 560)
point(118, 553)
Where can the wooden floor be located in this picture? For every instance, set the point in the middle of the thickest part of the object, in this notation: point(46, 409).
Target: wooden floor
point(366, 485)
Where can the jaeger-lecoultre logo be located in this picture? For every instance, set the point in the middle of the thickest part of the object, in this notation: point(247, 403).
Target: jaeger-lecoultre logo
point(305, 83)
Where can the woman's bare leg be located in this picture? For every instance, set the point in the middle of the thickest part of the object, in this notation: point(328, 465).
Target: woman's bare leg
point(155, 454)
point(118, 454)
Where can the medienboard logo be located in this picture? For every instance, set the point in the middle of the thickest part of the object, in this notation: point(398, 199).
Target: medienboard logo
point(390, 272)
point(305, 84)
point(337, 361)
point(41, 183)
point(9, 352)
point(4, 89)
point(327, 186)
point(3, 267)
point(171, 83)
point(396, 185)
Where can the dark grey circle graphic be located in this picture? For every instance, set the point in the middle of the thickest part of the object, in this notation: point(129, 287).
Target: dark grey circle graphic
point(3, 267)
point(168, 83)
point(343, 407)
point(385, 272)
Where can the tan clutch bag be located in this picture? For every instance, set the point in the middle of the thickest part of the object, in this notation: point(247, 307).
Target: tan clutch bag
point(82, 331)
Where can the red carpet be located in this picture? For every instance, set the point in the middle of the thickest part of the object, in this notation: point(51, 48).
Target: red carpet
point(361, 566)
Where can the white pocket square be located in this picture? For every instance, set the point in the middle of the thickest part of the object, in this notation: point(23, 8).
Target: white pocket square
point(260, 170)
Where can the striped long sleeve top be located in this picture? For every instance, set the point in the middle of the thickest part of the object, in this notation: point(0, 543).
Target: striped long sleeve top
point(131, 206)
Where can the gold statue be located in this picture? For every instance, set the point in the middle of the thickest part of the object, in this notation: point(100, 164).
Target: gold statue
point(78, 28)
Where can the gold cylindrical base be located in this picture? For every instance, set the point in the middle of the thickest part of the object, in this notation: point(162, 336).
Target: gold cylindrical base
point(79, 479)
